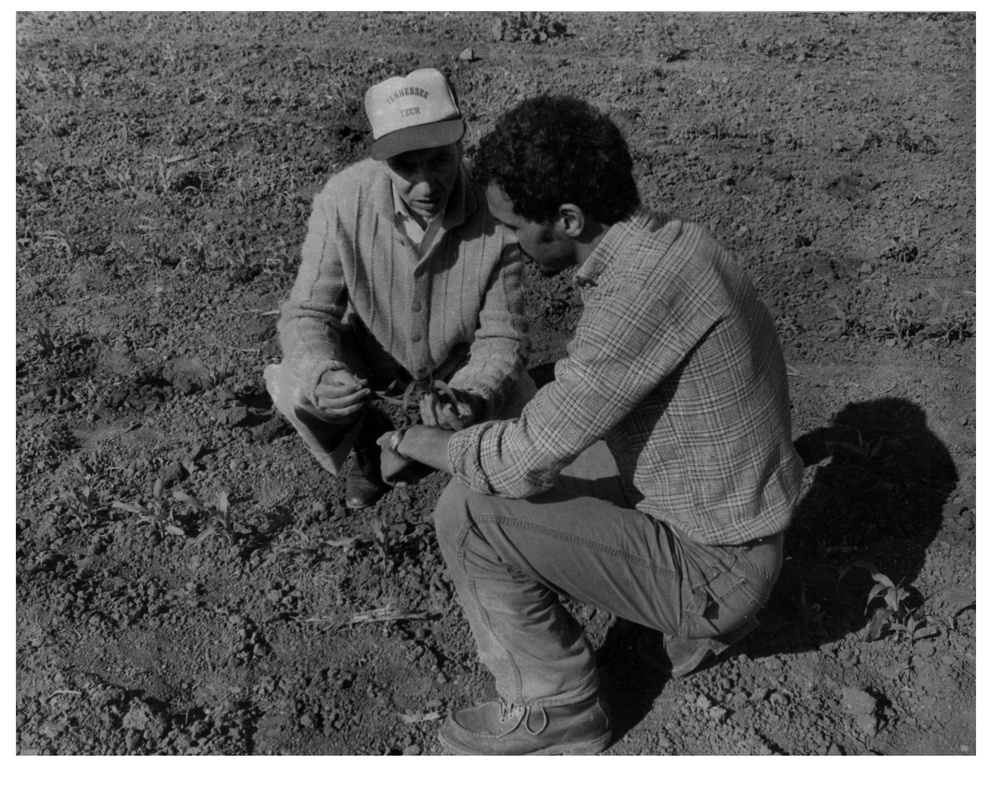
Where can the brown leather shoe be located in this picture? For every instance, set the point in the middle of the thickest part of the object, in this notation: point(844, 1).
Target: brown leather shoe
point(677, 657)
point(501, 728)
point(364, 485)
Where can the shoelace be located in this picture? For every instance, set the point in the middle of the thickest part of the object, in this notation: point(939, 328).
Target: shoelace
point(510, 710)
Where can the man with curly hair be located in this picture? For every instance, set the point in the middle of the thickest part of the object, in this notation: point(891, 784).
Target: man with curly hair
point(654, 478)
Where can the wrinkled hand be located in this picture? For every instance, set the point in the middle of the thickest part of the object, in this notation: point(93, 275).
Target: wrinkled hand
point(340, 396)
point(438, 411)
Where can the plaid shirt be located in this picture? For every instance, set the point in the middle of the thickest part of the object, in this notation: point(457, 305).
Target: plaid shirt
point(676, 364)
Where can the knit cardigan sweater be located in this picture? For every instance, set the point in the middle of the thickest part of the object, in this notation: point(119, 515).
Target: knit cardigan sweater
point(361, 275)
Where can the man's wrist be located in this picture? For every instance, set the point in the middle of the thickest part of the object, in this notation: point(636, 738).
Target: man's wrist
point(396, 439)
point(425, 444)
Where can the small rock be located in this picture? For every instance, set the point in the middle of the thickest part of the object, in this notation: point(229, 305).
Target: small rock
point(835, 750)
point(173, 473)
point(133, 740)
point(138, 717)
point(702, 702)
point(53, 729)
point(857, 702)
point(187, 375)
point(232, 417)
point(868, 725)
point(467, 55)
point(413, 749)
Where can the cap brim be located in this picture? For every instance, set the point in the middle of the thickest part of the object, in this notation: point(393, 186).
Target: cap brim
point(419, 137)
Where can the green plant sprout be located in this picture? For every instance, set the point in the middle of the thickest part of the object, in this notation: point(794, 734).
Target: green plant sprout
point(946, 324)
point(80, 504)
point(891, 614)
point(426, 384)
point(866, 450)
point(220, 522)
point(157, 512)
point(812, 612)
point(384, 533)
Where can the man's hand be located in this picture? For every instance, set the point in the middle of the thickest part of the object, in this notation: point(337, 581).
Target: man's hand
point(425, 447)
point(396, 470)
point(340, 396)
point(438, 411)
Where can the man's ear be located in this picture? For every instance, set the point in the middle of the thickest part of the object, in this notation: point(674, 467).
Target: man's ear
point(571, 220)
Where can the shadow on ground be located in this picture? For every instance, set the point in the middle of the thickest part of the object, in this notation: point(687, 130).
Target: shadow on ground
point(879, 481)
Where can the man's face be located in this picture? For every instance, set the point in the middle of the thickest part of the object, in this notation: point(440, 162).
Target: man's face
point(424, 178)
point(540, 242)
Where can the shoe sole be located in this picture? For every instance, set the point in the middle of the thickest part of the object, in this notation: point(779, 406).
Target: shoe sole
point(582, 747)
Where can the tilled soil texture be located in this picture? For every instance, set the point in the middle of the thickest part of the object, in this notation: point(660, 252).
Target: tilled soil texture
point(189, 581)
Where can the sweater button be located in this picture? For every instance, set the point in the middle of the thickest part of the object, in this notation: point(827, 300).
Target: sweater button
point(417, 338)
point(417, 305)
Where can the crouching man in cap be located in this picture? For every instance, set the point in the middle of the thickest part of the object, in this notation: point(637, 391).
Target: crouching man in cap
point(675, 366)
point(405, 275)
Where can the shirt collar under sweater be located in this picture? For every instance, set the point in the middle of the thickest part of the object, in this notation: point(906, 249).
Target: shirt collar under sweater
point(420, 236)
point(461, 203)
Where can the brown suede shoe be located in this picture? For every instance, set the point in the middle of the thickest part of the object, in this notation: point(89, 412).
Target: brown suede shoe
point(501, 728)
point(364, 485)
point(677, 657)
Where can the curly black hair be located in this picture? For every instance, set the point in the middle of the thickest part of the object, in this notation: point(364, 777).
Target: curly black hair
point(555, 149)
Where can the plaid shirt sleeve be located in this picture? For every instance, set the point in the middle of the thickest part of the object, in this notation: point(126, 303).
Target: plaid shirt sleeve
point(675, 363)
point(631, 335)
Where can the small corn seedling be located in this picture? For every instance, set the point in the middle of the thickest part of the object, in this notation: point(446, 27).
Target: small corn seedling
point(890, 613)
point(866, 450)
point(384, 534)
point(220, 522)
point(902, 323)
point(425, 384)
point(946, 324)
point(81, 504)
point(157, 512)
point(39, 337)
point(812, 613)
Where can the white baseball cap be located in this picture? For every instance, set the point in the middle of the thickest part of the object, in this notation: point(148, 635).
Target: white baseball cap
point(412, 112)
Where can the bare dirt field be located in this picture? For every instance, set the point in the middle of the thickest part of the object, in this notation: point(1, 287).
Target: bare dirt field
point(188, 580)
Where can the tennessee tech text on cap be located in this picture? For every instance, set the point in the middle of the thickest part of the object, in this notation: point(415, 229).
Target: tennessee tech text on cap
point(412, 112)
